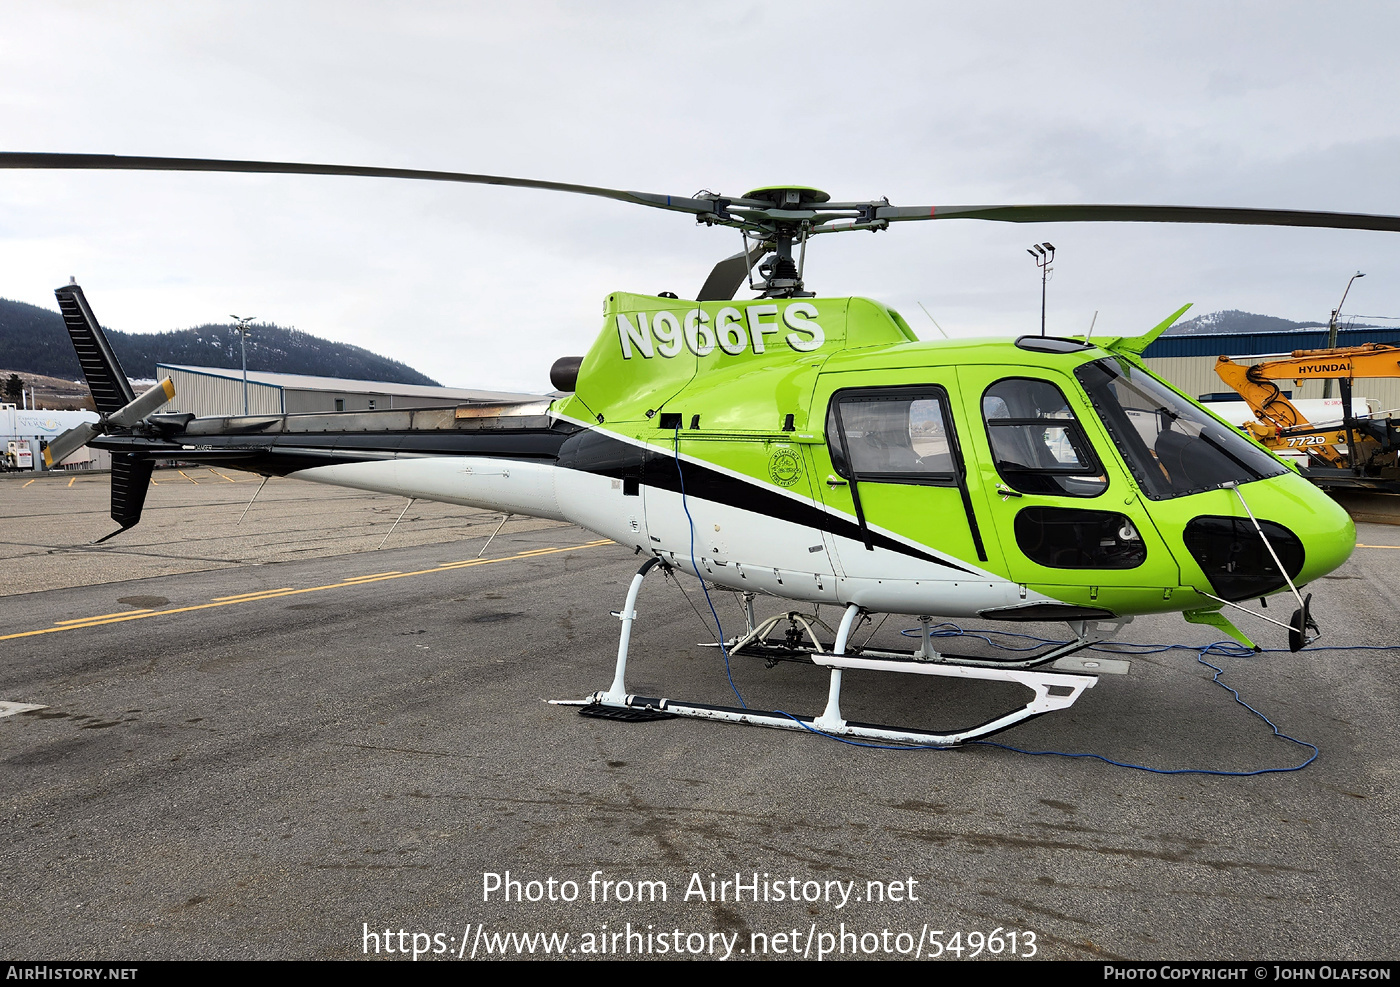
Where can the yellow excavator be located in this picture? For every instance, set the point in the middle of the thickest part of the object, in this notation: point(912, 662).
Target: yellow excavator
point(1357, 451)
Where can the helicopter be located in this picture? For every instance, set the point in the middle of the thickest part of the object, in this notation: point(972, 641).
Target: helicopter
point(814, 450)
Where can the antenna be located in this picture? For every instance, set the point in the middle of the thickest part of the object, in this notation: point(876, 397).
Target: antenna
point(1092, 322)
point(935, 322)
point(1042, 254)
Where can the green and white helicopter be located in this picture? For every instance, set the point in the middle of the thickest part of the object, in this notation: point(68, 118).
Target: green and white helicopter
point(813, 449)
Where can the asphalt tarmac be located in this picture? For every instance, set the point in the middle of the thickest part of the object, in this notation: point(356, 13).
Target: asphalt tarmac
point(286, 748)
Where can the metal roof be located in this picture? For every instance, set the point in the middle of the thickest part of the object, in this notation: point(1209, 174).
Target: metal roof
point(1263, 343)
point(304, 382)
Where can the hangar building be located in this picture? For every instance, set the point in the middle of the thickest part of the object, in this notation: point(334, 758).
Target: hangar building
point(214, 391)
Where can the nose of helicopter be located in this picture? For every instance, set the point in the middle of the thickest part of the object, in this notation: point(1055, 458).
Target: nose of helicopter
point(1328, 535)
point(1304, 530)
point(1325, 529)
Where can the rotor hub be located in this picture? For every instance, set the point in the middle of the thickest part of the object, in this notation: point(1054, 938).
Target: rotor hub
point(789, 196)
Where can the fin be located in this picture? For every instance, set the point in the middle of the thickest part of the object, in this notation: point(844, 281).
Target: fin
point(1217, 619)
point(1134, 345)
point(110, 389)
point(131, 478)
point(108, 537)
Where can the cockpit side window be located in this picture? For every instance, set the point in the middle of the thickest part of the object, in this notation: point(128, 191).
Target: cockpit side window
point(1037, 443)
point(1172, 447)
point(894, 435)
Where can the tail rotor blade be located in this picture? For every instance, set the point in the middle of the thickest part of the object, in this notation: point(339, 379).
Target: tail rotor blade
point(148, 402)
point(70, 442)
point(75, 438)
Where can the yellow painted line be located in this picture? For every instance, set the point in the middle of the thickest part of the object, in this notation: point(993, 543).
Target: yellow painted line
point(248, 596)
point(374, 575)
point(1377, 546)
point(101, 616)
point(219, 475)
point(31, 481)
point(98, 621)
point(73, 481)
point(270, 595)
point(522, 555)
point(188, 477)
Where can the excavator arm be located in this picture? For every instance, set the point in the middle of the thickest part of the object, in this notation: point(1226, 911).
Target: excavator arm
point(1281, 425)
point(1279, 419)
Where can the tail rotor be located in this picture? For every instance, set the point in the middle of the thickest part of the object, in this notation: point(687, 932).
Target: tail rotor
point(120, 407)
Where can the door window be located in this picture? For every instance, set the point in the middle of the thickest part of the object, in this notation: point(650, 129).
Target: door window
point(1037, 444)
point(894, 436)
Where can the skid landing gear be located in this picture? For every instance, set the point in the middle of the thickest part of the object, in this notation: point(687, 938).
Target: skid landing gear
point(1052, 690)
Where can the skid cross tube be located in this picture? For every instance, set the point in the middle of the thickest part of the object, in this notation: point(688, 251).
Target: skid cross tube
point(1087, 633)
point(1052, 690)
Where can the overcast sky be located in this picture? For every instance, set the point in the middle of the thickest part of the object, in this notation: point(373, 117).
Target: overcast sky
point(1284, 105)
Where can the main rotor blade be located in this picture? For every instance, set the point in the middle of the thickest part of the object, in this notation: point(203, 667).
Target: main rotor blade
point(116, 162)
point(1143, 214)
point(1090, 213)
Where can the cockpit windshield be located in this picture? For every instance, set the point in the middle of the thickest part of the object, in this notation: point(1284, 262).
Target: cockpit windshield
point(1172, 447)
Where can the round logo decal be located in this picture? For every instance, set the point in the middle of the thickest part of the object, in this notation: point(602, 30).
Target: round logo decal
point(785, 467)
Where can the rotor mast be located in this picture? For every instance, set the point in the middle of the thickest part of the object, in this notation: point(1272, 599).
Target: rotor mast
point(775, 216)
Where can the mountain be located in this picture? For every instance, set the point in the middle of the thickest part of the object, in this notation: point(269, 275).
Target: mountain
point(34, 340)
point(1233, 320)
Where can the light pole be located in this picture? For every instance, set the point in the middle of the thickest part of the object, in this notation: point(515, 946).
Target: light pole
point(1332, 331)
point(241, 327)
point(1042, 254)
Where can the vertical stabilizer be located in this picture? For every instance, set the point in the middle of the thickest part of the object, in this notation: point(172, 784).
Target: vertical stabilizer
point(110, 389)
point(131, 478)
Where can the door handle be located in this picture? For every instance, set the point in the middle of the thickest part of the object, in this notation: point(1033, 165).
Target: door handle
point(835, 481)
point(1006, 491)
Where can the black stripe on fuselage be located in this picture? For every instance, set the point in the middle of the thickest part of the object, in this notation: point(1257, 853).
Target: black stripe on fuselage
point(564, 444)
point(600, 453)
point(289, 452)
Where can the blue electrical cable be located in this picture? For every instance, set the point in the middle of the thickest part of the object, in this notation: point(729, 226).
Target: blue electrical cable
point(1228, 649)
point(856, 743)
point(713, 612)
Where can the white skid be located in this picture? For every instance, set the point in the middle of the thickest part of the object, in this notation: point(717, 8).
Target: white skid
point(1039, 682)
point(1051, 690)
